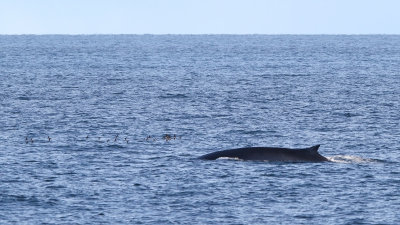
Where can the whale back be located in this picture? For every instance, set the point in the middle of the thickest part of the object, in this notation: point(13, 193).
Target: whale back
point(270, 154)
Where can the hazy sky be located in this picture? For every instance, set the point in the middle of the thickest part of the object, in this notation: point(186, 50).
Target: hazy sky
point(200, 16)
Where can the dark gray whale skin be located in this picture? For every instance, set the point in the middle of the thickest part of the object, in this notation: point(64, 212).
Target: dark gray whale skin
point(270, 154)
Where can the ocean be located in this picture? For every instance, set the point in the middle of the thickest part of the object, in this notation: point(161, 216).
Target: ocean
point(107, 129)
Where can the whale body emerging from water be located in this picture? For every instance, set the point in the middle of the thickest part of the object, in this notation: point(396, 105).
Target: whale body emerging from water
point(270, 154)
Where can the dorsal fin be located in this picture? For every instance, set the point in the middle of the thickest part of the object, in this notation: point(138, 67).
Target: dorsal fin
point(314, 149)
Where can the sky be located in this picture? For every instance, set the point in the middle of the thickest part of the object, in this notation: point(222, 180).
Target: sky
point(199, 17)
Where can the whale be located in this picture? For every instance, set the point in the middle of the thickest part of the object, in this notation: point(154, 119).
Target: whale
point(270, 154)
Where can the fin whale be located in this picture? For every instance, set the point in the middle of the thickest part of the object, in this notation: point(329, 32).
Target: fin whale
point(270, 154)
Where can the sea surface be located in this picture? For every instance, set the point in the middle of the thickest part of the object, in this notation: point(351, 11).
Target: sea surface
point(84, 119)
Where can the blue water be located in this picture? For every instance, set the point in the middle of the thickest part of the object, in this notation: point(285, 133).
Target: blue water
point(213, 92)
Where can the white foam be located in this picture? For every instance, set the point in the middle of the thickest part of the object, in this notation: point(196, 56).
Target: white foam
point(350, 159)
point(230, 158)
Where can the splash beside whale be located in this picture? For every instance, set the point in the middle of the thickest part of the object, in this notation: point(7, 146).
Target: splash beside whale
point(270, 154)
